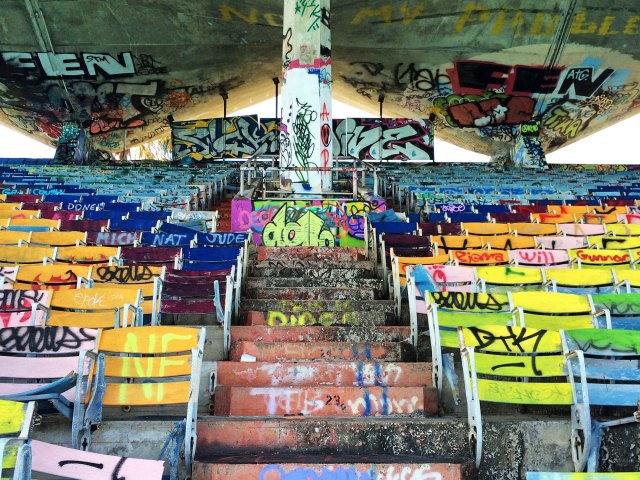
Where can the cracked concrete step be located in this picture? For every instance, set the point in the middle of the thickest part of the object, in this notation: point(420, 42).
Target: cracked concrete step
point(265, 282)
point(327, 436)
point(313, 254)
point(346, 319)
point(317, 271)
point(319, 334)
point(311, 293)
point(320, 351)
point(300, 306)
point(321, 401)
point(309, 374)
point(282, 467)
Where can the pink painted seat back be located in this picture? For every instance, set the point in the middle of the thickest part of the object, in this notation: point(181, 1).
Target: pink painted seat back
point(452, 278)
point(7, 276)
point(66, 462)
point(35, 356)
point(581, 229)
point(538, 257)
point(553, 242)
point(16, 307)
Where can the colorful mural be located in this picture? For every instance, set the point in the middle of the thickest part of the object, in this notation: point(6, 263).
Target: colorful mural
point(303, 223)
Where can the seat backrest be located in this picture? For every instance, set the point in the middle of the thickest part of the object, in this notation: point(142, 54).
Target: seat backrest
point(17, 307)
point(148, 239)
point(540, 257)
point(10, 238)
point(26, 255)
point(554, 311)
point(8, 275)
point(481, 257)
point(86, 255)
point(602, 258)
point(624, 309)
point(534, 229)
point(53, 277)
point(491, 376)
point(57, 239)
point(623, 229)
point(210, 255)
point(615, 243)
point(500, 279)
point(112, 239)
point(84, 225)
point(94, 307)
point(511, 217)
point(554, 218)
point(585, 280)
point(16, 419)
point(221, 239)
point(149, 255)
point(553, 242)
point(63, 462)
point(509, 242)
point(132, 225)
point(581, 229)
point(456, 242)
point(485, 228)
point(609, 356)
point(452, 278)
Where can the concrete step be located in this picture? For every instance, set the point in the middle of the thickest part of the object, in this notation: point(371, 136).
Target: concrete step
point(339, 467)
point(311, 254)
point(262, 282)
point(314, 264)
point(311, 293)
point(278, 318)
point(340, 374)
point(301, 306)
point(320, 401)
point(329, 436)
point(318, 271)
point(320, 351)
point(319, 334)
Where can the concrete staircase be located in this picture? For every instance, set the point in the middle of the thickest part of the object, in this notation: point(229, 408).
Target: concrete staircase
point(321, 383)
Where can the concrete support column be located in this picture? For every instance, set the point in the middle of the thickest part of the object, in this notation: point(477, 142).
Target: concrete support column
point(305, 137)
point(527, 150)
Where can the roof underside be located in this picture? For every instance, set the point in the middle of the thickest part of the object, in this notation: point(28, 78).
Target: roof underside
point(480, 66)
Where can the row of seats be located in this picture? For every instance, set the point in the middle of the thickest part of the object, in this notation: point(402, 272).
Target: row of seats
point(87, 300)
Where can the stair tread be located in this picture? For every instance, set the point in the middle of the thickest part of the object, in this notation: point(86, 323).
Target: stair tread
point(293, 458)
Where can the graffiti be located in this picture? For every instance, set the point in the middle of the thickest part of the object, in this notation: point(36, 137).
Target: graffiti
point(481, 257)
point(384, 139)
point(470, 301)
point(531, 22)
point(601, 341)
point(303, 318)
point(46, 339)
point(303, 145)
point(311, 9)
point(127, 274)
point(67, 65)
point(344, 220)
point(16, 305)
point(112, 238)
point(528, 151)
point(370, 404)
point(560, 121)
point(364, 472)
point(512, 339)
point(600, 257)
point(71, 147)
point(487, 110)
point(287, 230)
point(236, 137)
point(289, 401)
